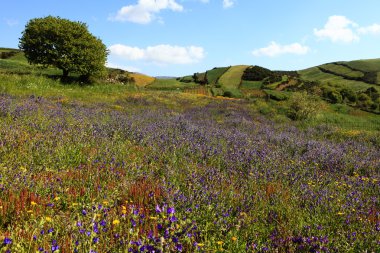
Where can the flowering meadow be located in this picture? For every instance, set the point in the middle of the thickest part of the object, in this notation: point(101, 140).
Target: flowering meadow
point(143, 176)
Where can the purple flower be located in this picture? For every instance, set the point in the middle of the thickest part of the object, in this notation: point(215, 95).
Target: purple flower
point(158, 209)
point(170, 210)
point(173, 218)
point(133, 222)
point(7, 241)
point(179, 247)
point(54, 246)
point(95, 240)
point(79, 224)
point(84, 212)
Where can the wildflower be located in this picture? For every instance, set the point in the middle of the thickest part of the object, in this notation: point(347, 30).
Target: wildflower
point(95, 240)
point(179, 247)
point(48, 219)
point(29, 211)
point(340, 213)
point(170, 210)
point(57, 198)
point(105, 203)
point(153, 218)
point(116, 222)
point(33, 203)
point(7, 241)
point(158, 209)
point(84, 212)
point(219, 242)
point(54, 246)
point(233, 238)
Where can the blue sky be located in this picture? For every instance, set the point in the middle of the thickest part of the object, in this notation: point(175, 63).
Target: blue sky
point(180, 37)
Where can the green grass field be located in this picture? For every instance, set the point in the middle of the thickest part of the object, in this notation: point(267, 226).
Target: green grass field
point(213, 75)
point(169, 85)
point(371, 65)
point(342, 70)
point(232, 77)
point(314, 74)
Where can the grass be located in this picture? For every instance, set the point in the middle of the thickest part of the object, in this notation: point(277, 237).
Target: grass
point(342, 70)
point(214, 74)
point(255, 85)
point(142, 80)
point(169, 85)
point(232, 77)
point(314, 74)
point(371, 65)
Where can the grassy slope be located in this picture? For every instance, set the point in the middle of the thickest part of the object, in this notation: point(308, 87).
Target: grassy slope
point(142, 80)
point(314, 74)
point(232, 78)
point(169, 84)
point(214, 74)
point(371, 65)
point(342, 70)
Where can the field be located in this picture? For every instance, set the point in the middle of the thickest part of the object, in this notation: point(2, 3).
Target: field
point(232, 77)
point(314, 74)
point(214, 74)
point(128, 168)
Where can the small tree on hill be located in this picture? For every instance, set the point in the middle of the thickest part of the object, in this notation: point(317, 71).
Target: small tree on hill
point(65, 44)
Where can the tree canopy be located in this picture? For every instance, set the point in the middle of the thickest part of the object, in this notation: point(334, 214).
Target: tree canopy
point(65, 44)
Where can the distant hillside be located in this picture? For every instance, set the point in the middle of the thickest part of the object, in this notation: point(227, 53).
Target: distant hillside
point(354, 83)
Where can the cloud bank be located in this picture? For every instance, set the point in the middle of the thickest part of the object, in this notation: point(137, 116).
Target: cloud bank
point(274, 49)
point(159, 54)
point(145, 11)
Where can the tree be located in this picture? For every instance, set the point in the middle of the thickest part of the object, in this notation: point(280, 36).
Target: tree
point(65, 44)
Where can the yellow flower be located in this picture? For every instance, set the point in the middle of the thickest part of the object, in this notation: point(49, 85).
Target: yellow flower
point(153, 218)
point(233, 238)
point(105, 203)
point(57, 198)
point(116, 222)
point(48, 219)
point(33, 203)
point(29, 211)
point(219, 242)
point(200, 244)
point(340, 213)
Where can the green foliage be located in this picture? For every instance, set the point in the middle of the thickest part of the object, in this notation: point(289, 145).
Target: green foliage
point(67, 45)
point(277, 95)
point(303, 107)
point(232, 93)
point(349, 95)
point(256, 73)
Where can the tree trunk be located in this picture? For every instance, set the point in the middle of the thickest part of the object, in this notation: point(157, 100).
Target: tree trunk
point(65, 74)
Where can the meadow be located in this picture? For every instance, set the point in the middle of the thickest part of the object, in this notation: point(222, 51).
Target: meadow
point(122, 168)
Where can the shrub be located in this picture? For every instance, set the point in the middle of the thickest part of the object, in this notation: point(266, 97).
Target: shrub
point(349, 95)
point(302, 106)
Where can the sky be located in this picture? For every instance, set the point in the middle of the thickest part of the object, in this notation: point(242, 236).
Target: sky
point(181, 37)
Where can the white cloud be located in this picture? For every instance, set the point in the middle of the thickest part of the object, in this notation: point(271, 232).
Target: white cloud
point(145, 11)
point(159, 54)
point(11, 22)
point(338, 29)
point(275, 49)
point(228, 3)
point(117, 66)
point(372, 29)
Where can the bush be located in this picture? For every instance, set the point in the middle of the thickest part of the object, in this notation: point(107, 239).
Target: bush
point(256, 73)
point(302, 106)
point(349, 95)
